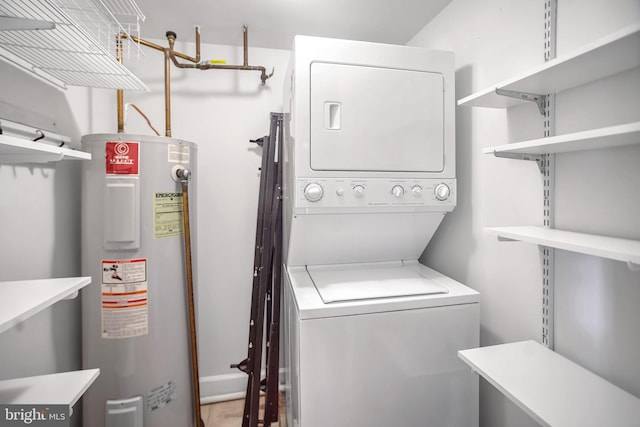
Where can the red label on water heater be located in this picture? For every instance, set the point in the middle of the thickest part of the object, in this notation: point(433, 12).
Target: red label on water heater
point(123, 158)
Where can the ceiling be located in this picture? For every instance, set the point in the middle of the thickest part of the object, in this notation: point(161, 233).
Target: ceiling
point(273, 23)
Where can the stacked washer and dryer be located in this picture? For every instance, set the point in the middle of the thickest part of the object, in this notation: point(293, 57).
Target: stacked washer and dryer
point(371, 335)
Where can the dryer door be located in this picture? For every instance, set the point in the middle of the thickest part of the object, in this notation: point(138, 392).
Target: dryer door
point(376, 119)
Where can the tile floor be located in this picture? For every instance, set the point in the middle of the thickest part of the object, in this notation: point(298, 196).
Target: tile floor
point(229, 414)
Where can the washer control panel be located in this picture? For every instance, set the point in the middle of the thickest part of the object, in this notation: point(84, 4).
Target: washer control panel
point(354, 193)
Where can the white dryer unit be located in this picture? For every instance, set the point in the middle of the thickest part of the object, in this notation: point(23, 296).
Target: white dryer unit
point(371, 336)
point(370, 130)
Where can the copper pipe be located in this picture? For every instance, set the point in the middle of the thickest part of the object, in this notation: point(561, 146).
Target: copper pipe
point(245, 44)
point(171, 37)
point(167, 93)
point(167, 76)
point(143, 42)
point(120, 92)
point(197, 58)
point(120, 102)
point(184, 175)
point(152, 45)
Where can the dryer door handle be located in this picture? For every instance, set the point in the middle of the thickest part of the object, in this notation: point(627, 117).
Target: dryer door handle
point(332, 115)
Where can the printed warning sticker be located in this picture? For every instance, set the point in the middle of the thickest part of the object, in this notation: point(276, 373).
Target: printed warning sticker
point(161, 396)
point(125, 306)
point(167, 215)
point(123, 158)
point(178, 154)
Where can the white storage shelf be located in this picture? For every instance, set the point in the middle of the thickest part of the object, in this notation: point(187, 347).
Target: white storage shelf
point(605, 57)
point(76, 44)
point(55, 389)
point(590, 244)
point(22, 299)
point(552, 389)
point(17, 150)
point(609, 137)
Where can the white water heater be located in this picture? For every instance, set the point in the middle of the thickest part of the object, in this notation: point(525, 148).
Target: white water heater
point(135, 316)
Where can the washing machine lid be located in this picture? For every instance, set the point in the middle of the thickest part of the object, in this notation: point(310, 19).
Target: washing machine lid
point(350, 283)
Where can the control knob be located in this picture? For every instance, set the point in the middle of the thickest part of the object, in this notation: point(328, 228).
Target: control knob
point(416, 190)
point(442, 191)
point(358, 190)
point(397, 191)
point(313, 192)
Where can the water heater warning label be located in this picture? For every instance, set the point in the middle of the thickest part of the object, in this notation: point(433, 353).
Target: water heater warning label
point(125, 307)
point(178, 154)
point(123, 158)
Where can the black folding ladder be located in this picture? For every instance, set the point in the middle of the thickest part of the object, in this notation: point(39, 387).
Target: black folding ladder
point(267, 277)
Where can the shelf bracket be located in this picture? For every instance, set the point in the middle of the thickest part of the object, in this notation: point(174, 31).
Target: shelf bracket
point(548, 111)
point(538, 158)
point(72, 295)
point(506, 239)
point(540, 100)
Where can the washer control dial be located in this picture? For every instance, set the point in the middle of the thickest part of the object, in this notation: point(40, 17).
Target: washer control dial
point(358, 190)
point(313, 192)
point(416, 190)
point(340, 191)
point(442, 191)
point(397, 191)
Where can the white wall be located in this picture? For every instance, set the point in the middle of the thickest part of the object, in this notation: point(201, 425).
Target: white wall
point(596, 191)
point(220, 110)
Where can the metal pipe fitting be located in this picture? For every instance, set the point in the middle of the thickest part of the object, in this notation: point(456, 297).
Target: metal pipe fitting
point(171, 38)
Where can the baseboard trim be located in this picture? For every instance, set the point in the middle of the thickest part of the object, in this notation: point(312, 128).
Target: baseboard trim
point(221, 398)
point(220, 388)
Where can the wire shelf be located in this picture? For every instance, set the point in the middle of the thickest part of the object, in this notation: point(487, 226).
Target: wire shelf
point(81, 49)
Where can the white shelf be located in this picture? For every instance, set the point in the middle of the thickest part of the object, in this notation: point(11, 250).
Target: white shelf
point(614, 136)
point(17, 150)
point(56, 389)
point(605, 57)
point(606, 247)
point(79, 46)
point(20, 300)
point(551, 389)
